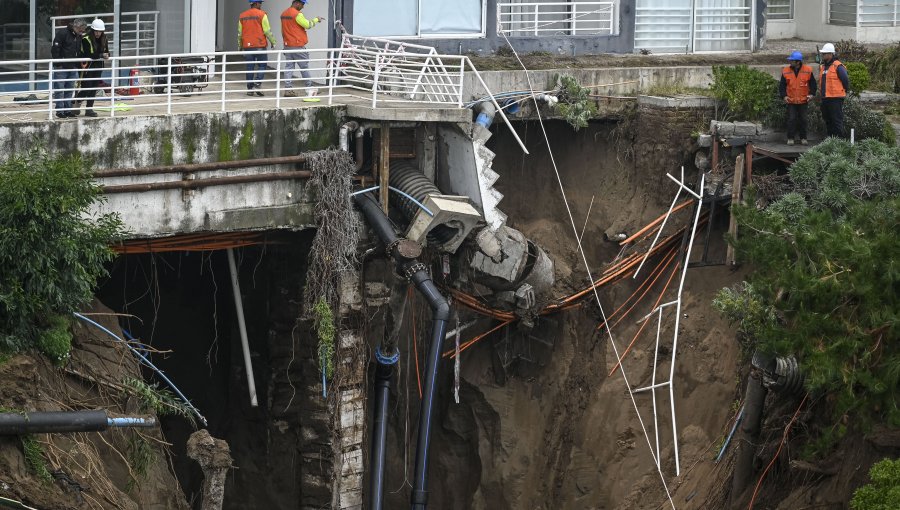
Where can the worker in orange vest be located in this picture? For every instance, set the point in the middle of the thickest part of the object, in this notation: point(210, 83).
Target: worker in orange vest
point(834, 84)
point(253, 30)
point(797, 87)
point(293, 28)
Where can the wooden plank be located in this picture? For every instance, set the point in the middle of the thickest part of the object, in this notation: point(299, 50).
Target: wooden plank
point(385, 160)
point(736, 198)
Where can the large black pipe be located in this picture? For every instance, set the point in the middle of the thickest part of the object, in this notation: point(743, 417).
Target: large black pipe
point(383, 375)
point(418, 275)
point(65, 421)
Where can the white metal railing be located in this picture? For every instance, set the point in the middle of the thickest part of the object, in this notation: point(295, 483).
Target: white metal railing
point(137, 30)
point(400, 69)
point(572, 18)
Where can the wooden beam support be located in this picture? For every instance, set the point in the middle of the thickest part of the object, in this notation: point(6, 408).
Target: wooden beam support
point(384, 172)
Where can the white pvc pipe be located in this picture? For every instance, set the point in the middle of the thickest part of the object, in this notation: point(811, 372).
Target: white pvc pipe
point(653, 383)
point(687, 260)
point(242, 327)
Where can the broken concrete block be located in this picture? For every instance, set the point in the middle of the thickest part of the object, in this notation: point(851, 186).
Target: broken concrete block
point(701, 161)
point(722, 128)
point(745, 129)
point(704, 141)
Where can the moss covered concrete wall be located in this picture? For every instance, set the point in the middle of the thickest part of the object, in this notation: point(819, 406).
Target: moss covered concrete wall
point(136, 141)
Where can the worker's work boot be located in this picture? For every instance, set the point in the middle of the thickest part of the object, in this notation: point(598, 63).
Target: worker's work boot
point(90, 113)
point(290, 93)
point(790, 141)
point(803, 141)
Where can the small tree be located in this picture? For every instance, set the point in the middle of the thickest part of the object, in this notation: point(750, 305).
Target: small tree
point(825, 279)
point(883, 493)
point(51, 251)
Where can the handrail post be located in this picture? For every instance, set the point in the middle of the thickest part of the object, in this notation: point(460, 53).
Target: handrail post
point(278, 78)
point(169, 89)
point(375, 80)
point(114, 73)
point(51, 104)
point(462, 81)
point(224, 71)
point(332, 68)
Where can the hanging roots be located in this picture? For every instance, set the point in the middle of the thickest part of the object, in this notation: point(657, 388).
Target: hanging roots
point(339, 227)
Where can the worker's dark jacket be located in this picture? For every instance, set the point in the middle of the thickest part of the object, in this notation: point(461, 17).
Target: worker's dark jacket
point(66, 44)
point(94, 48)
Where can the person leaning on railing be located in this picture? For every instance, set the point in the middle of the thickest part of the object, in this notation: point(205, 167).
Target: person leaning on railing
point(293, 28)
point(66, 45)
point(95, 46)
point(253, 30)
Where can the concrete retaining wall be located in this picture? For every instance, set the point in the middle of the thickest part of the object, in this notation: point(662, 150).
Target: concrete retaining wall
point(627, 80)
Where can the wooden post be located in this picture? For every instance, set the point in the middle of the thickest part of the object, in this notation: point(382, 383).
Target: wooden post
point(384, 171)
point(748, 161)
point(736, 194)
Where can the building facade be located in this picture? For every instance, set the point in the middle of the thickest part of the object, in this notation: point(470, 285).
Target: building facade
point(867, 21)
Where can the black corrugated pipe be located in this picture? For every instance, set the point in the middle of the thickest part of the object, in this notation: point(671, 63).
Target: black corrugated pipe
point(418, 275)
point(404, 176)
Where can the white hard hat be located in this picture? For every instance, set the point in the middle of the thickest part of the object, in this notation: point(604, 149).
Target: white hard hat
point(98, 26)
point(828, 48)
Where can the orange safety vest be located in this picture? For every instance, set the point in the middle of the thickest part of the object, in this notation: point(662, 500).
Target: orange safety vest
point(797, 84)
point(252, 35)
point(833, 85)
point(294, 35)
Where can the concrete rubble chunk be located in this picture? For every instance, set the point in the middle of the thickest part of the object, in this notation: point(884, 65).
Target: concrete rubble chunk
point(214, 457)
point(746, 129)
point(704, 141)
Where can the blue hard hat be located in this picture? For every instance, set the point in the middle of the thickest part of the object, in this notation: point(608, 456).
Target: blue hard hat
point(255, 1)
point(796, 55)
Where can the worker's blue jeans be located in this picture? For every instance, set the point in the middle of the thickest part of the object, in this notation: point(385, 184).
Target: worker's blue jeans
point(256, 61)
point(63, 87)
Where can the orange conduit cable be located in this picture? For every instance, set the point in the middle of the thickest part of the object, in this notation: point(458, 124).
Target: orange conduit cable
point(655, 222)
point(192, 242)
point(644, 324)
point(411, 296)
point(452, 352)
point(645, 285)
point(667, 261)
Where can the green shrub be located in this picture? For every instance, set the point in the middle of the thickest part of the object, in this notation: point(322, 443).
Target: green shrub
point(749, 93)
point(824, 280)
point(883, 493)
point(884, 66)
point(51, 250)
point(866, 122)
point(55, 341)
point(34, 457)
point(851, 50)
point(858, 75)
point(575, 103)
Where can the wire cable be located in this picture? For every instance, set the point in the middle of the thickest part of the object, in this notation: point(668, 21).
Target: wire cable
point(588, 267)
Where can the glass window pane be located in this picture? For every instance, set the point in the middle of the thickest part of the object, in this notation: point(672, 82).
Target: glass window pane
point(15, 33)
point(379, 18)
point(780, 9)
point(459, 17)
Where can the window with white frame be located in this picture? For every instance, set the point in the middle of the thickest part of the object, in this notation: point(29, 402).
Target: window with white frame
point(780, 9)
point(418, 18)
point(532, 18)
point(864, 13)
